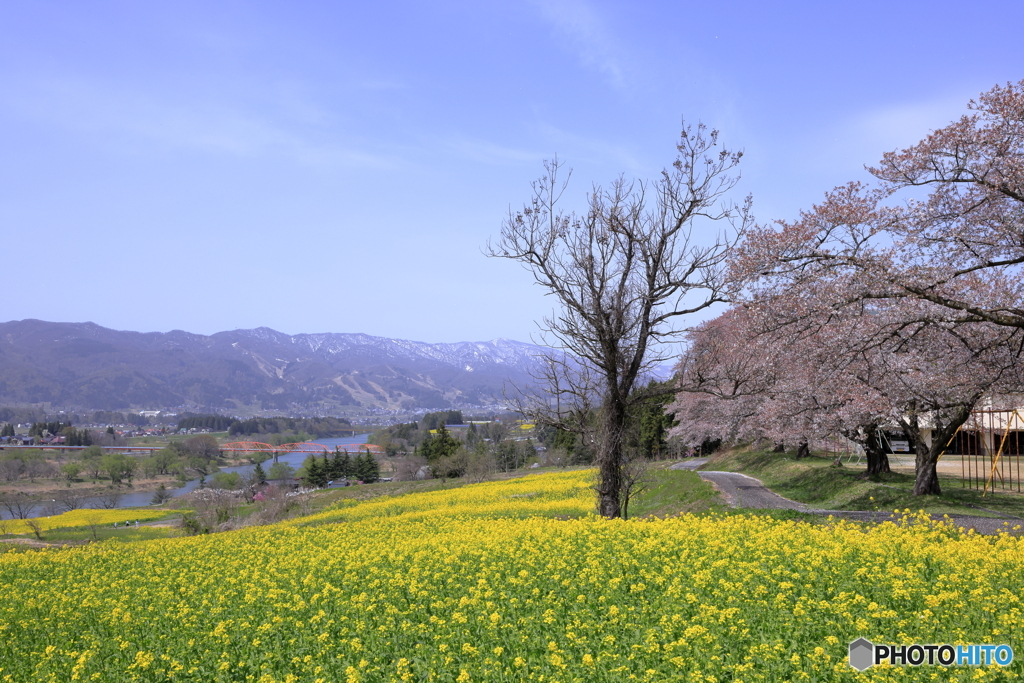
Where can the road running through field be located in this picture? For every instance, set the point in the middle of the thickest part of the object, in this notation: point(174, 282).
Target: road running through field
point(743, 491)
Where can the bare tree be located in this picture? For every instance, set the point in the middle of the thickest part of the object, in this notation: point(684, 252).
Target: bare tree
point(408, 467)
point(624, 272)
point(11, 468)
point(39, 467)
point(248, 485)
point(202, 446)
point(93, 522)
point(480, 464)
point(161, 495)
point(635, 480)
point(69, 499)
point(18, 505)
point(109, 498)
point(36, 528)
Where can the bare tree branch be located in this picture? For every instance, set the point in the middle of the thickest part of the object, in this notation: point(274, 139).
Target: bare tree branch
point(640, 258)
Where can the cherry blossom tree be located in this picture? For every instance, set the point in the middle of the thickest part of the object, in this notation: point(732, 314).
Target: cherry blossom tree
point(742, 382)
point(944, 223)
point(922, 269)
point(725, 376)
point(934, 375)
point(850, 372)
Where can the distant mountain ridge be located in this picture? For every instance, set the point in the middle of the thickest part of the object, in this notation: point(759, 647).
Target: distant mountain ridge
point(89, 367)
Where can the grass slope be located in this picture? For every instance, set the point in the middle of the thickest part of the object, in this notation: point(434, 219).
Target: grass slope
point(672, 492)
point(816, 482)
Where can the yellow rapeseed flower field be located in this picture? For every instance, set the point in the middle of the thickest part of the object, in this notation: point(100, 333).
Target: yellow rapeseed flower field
point(79, 518)
point(508, 581)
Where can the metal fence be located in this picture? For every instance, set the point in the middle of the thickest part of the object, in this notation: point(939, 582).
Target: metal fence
point(990, 445)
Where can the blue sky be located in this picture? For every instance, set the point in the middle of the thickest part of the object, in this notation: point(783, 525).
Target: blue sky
point(338, 167)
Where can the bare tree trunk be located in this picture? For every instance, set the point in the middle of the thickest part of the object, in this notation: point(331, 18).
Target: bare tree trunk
point(36, 528)
point(18, 505)
point(634, 481)
point(609, 489)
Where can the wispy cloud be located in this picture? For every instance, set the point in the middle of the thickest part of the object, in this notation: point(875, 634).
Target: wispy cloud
point(486, 152)
point(903, 124)
point(587, 35)
point(844, 145)
point(137, 118)
point(830, 152)
point(594, 151)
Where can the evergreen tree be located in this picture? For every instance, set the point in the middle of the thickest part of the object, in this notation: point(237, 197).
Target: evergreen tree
point(439, 445)
point(314, 473)
point(649, 424)
point(367, 469)
point(337, 466)
point(347, 469)
point(261, 475)
point(358, 467)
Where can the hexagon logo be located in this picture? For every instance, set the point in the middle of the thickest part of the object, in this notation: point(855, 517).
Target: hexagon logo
point(862, 654)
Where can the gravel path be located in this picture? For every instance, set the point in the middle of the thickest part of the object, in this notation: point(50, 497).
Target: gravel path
point(742, 491)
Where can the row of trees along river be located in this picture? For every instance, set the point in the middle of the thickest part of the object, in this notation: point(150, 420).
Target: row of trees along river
point(121, 498)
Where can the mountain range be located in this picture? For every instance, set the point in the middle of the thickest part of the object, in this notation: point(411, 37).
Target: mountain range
point(84, 366)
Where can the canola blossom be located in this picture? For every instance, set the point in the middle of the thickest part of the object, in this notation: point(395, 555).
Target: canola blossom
point(494, 583)
point(85, 517)
point(567, 494)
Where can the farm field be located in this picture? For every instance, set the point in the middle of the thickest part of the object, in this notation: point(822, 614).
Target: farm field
point(508, 581)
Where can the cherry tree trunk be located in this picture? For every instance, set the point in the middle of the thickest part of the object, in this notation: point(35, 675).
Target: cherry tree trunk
point(878, 461)
point(927, 481)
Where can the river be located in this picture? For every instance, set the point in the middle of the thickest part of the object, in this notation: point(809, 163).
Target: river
point(130, 500)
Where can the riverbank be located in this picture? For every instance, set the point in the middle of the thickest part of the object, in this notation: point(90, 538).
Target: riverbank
point(44, 496)
point(41, 491)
